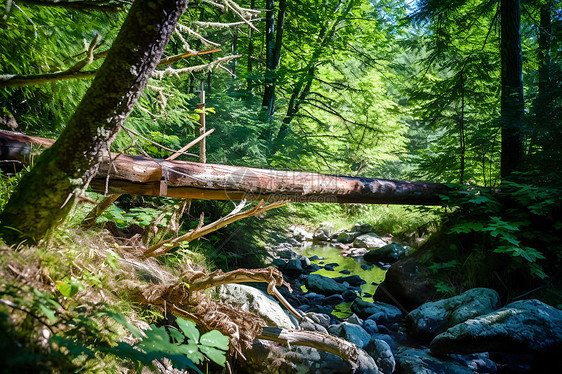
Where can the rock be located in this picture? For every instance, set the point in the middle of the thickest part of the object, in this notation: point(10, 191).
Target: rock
point(354, 320)
point(287, 254)
point(408, 286)
point(414, 361)
point(321, 319)
point(477, 362)
point(256, 301)
point(294, 265)
point(323, 285)
point(329, 267)
point(315, 258)
point(351, 332)
point(301, 234)
point(349, 295)
point(527, 326)
point(323, 309)
point(279, 263)
point(333, 300)
point(352, 280)
point(370, 326)
point(433, 318)
point(369, 241)
point(321, 235)
point(347, 237)
point(381, 313)
point(380, 351)
point(366, 267)
point(389, 253)
point(362, 228)
point(387, 338)
point(309, 324)
point(345, 272)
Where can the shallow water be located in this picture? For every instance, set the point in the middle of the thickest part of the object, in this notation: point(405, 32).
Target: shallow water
point(331, 255)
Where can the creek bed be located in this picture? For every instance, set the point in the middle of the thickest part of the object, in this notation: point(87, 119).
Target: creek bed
point(334, 255)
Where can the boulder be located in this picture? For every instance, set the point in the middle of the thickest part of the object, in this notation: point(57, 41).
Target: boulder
point(380, 351)
point(405, 285)
point(323, 285)
point(352, 280)
point(381, 313)
point(527, 326)
point(370, 326)
point(477, 362)
point(347, 237)
point(369, 241)
point(321, 235)
point(294, 265)
point(362, 228)
point(421, 361)
point(258, 302)
point(433, 318)
point(387, 254)
point(351, 332)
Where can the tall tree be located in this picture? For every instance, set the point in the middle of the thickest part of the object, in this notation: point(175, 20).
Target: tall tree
point(45, 195)
point(512, 101)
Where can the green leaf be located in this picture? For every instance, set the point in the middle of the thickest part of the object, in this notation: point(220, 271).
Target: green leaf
point(214, 354)
point(215, 338)
point(122, 320)
point(189, 329)
point(47, 312)
point(69, 287)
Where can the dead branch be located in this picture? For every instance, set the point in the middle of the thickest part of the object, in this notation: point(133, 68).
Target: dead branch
point(193, 69)
point(15, 80)
point(329, 343)
point(164, 246)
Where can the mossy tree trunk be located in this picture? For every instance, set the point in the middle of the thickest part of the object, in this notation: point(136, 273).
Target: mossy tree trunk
point(46, 194)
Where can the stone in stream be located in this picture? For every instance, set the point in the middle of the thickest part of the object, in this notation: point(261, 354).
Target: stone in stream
point(370, 326)
point(369, 241)
point(258, 302)
point(421, 361)
point(433, 318)
point(351, 332)
point(389, 253)
point(345, 271)
point(352, 280)
point(294, 266)
point(362, 228)
point(323, 285)
point(527, 326)
point(347, 237)
point(349, 295)
point(381, 313)
point(380, 351)
point(366, 267)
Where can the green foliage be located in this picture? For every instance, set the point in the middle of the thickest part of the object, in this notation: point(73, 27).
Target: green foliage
point(520, 221)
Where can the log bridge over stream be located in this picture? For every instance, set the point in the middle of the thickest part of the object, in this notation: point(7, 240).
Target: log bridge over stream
point(138, 175)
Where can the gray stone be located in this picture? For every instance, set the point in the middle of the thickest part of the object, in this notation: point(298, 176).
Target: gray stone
point(319, 318)
point(347, 237)
point(389, 253)
point(323, 285)
point(321, 235)
point(278, 262)
point(433, 318)
point(287, 254)
point(349, 295)
point(414, 361)
point(354, 320)
point(294, 265)
point(527, 326)
point(477, 362)
point(362, 228)
point(381, 352)
point(369, 241)
point(381, 313)
point(370, 326)
point(352, 280)
point(258, 302)
point(352, 333)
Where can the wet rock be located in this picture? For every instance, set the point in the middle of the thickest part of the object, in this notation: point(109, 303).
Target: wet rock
point(387, 338)
point(418, 361)
point(258, 302)
point(315, 258)
point(333, 300)
point(369, 241)
point(352, 280)
point(321, 319)
point(345, 272)
point(354, 320)
point(366, 267)
point(387, 254)
point(349, 295)
point(323, 285)
point(329, 267)
point(279, 263)
point(370, 326)
point(294, 265)
point(351, 332)
point(347, 237)
point(380, 351)
point(433, 318)
point(381, 313)
point(527, 326)
point(362, 228)
point(407, 285)
point(477, 362)
point(321, 235)
point(287, 254)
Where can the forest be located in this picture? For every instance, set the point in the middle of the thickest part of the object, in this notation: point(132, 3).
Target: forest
point(273, 186)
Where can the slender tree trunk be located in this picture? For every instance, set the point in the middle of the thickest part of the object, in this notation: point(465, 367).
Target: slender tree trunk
point(45, 195)
point(461, 131)
point(273, 52)
point(512, 102)
point(249, 66)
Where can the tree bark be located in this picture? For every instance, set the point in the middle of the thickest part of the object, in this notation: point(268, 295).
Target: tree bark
point(512, 102)
point(137, 175)
point(45, 195)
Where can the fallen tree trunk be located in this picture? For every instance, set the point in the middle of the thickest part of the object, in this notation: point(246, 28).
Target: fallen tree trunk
point(136, 175)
